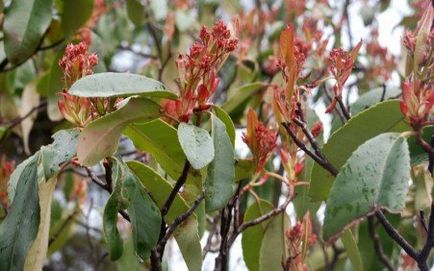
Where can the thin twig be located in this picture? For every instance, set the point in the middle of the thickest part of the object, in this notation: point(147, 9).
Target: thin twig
point(178, 220)
point(377, 245)
point(179, 183)
point(395, 235)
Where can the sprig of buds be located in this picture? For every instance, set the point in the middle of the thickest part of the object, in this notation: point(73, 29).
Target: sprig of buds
point(260, 139)
point(198, 71)
point(417, 102)
point(341, 64)
point(299, 238)
point(76, 63)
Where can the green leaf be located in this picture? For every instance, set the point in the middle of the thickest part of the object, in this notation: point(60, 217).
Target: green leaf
point(49, 158)
point(160, 140)
point(375, 176)
point(226, 119)
point(241, 95)
point(62, 149)
point(243, 169)
point(187, 235)
point(219, 183)
point(145, 215)
point(381, 118)
point(75, 14)
point(111, 84)
point(273, 248)
point(145, 218)
point(111, 233)
point(24, 26)
point(136, 12)
point(197, 145)
point(100, 138)
point(350, 246)
point(20, 227)
point(373, 97)
point(252, 237)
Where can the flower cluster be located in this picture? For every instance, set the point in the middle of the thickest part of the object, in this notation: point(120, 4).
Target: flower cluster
point(76, 63)
point(418, 89)
point(341, 64)
point(260, 139)
point(6, 169)
point(198, 70)
point(299, 236)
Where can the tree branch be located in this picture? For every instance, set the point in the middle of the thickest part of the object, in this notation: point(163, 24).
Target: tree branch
point(377, 244)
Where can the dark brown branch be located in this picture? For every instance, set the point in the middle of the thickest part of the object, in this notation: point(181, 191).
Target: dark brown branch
point(266, 216)
point(377, 244)
point(343, 108)
point(178, 220)
point(104, 186)
point(322, 162)
point(179, 183)
point(395, 235)
point(429, 243)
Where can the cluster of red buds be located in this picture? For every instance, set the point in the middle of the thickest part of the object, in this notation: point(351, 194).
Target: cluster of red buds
point(260, 139)
point(198, 71)
point(293, 54)
point(76, 63)
point(341, 64)
point(299, 236)
point(418, 89)
point(6, 169)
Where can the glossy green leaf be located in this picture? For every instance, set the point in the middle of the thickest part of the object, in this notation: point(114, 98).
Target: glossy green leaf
point(20, 227)
point(273, 248)
point(376, 176)
point(62, 149)
point(373, 97)
point(111, 84)
point(49, 158)
point(197, 145)
point(252, 237)
point(145, 216)
point(384, 117)
point(100, 138)
point(226, 119)
point(350, 246)
point(136, 12)
point(241, 95)
point(187, 235)
point(24, 26)
point(219, 183)
point(75, 14)
point(160, 140)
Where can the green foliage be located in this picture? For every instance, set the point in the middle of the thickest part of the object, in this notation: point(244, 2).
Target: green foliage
point(109, 84)
point(24, 26)
point(197, 145)
point(145, 216)
point(384, 117)
point(375, 176)
point(75, 13)
point(100, 138)
point(219, 183)
point(252, 238)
